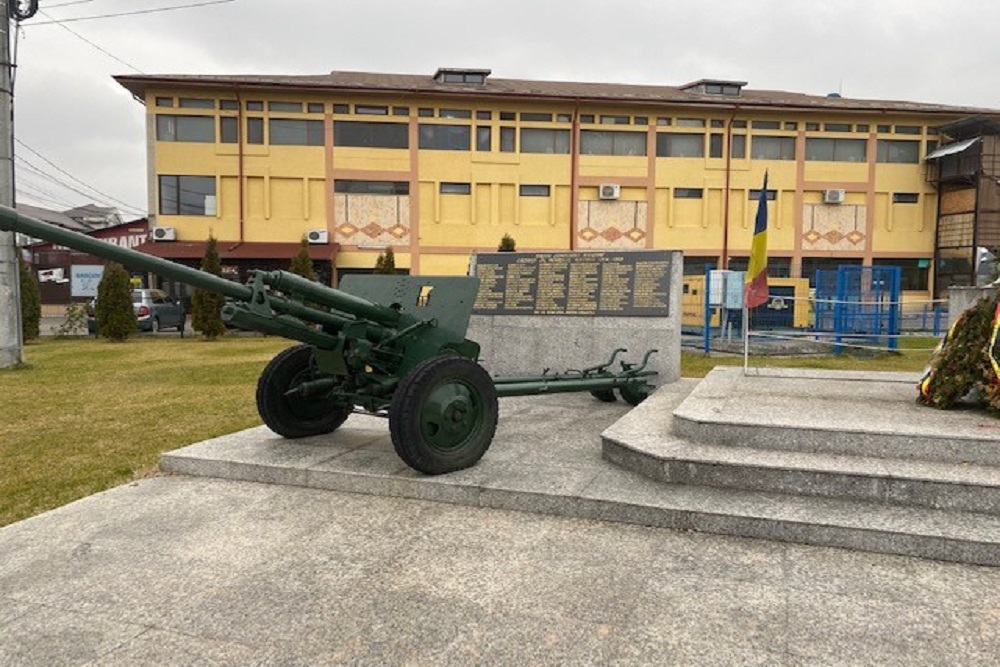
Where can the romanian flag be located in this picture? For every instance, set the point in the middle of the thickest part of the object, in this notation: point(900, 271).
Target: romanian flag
point(756, 282)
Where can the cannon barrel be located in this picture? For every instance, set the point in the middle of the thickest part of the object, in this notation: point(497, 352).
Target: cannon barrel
point(12, 221)
point(309, 290)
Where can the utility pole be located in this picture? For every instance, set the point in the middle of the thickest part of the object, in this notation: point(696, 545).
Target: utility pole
point(11, 343)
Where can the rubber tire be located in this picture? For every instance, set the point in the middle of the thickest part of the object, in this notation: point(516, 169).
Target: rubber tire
point(604, 395)
point(154, 326)
point(630, 395)
point(406, 413)
point(289, 417)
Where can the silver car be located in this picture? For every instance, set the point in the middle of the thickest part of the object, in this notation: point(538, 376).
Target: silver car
point(154, 310)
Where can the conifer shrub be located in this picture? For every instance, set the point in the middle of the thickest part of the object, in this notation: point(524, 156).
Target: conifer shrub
point(205, 306)
point(507, 244)
point(31, 301)
point(115, 315)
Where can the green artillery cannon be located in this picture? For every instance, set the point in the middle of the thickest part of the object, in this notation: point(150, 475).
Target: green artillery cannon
point(386, 345)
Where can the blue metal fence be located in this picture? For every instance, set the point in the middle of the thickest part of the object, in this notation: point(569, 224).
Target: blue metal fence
point(860, 304)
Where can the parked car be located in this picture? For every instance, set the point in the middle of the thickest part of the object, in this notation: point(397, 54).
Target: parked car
point(154, 310)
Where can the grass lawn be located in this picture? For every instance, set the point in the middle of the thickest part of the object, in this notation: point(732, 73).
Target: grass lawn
point(85, 415)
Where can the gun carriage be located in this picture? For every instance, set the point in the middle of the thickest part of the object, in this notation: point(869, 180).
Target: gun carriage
point(391, 346)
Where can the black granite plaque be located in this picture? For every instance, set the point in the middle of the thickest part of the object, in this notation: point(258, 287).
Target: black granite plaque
point(608, 284)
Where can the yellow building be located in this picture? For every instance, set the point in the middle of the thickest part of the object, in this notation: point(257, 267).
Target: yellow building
point(442, 166)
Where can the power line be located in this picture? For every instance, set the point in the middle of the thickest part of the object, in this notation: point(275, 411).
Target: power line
point(74, 178)
point(81, 37)
point(138, 11)
point(67, 4)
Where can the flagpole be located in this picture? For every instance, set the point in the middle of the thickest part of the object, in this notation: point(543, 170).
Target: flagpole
point(746, 337)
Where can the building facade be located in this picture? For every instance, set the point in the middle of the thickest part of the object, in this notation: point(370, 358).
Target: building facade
point(441, 166)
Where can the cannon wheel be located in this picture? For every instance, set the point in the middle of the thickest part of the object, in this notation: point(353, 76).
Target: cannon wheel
point(443, 415)
point(635, 393)
point(293, 417)
point(604, 395)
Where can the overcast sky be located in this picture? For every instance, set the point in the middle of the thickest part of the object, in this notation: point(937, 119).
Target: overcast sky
point(70, 111)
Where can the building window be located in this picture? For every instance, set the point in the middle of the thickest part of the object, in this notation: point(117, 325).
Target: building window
point(690, 122)
point(401, 111)
point(739, 148)
point(535, 140)
point(484, 138)
point(913, 272)
point(715, 145)
point(862, 127)
point(456, 188)
point(229, 129)
point(812, 127)
point(608, 142)
point(164, 101)
point(662, 121)
point(534, 190)
point(696, 266)
point(285, 107)
point(455, 113)
point(564, 118)
point(740, 124)
point(445, 137)
point(905, 198)
point(772, 148)
point(195, 103)
point(810, 265)
point(508, 115)
point(777, 267)
point(255, 105)
point(755, 195)
point(484, 115)
point(884, 129)
point(898, 151)
point(341, 108)
point(185, 128)
point(587, 118)
point(316, 107)
point(907, 129)
point(424, 112)
point(791, 125)
point(255, 130)
point(837, 127)
point(371, 110)
point(508, 140)
point(371, 187)
point(229, 105)
point(536, 117)
point(680, 145)
point(614, 120)
point(836, 150)
point(187, 195)
point(289, 132)
point(370, 135)
point(766, 125)
point(688, 193)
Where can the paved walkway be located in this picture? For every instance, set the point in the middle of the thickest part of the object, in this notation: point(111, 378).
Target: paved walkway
point(198, 571)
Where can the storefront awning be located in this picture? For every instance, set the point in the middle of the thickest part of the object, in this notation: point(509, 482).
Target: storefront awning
point(951, 149)
point(229, 250)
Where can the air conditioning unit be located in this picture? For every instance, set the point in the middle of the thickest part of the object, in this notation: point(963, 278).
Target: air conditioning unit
point(833, 196)
point(609, 191)
point(164, 234)
point(318, 236)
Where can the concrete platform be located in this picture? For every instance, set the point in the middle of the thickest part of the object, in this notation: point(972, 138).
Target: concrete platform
point(547, 457)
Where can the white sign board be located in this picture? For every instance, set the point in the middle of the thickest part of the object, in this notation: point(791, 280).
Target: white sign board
point(84, 279)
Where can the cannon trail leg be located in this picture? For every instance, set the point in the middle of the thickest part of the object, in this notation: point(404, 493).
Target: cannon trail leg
point(295, 416)
point(443, 415)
